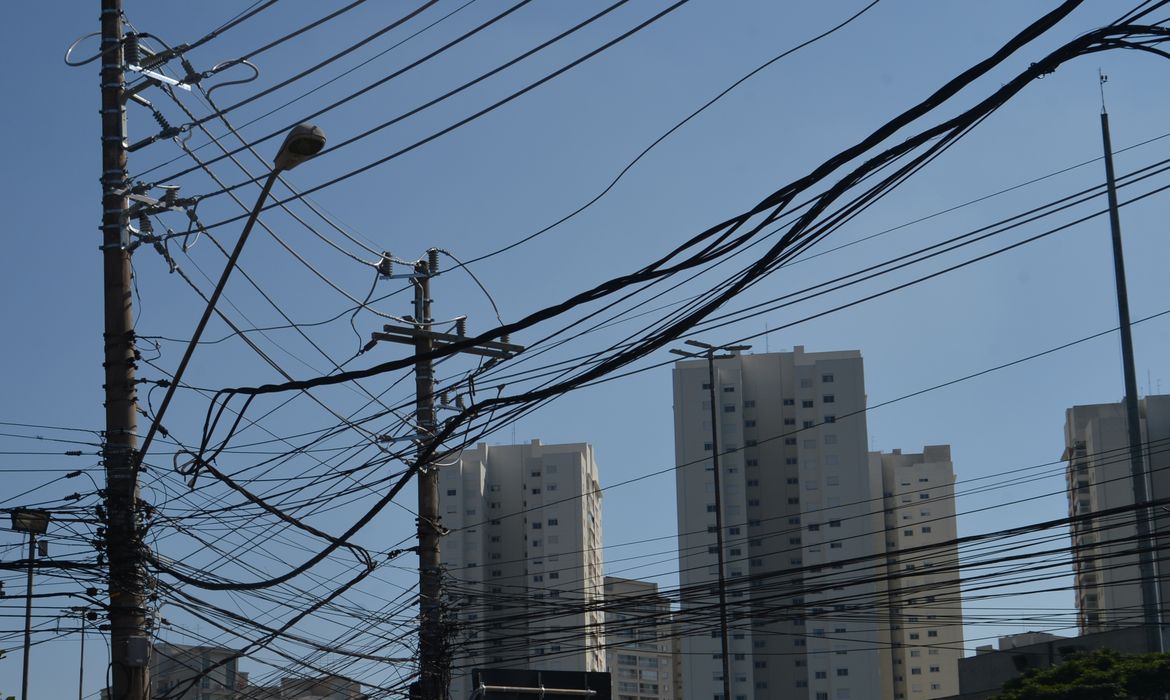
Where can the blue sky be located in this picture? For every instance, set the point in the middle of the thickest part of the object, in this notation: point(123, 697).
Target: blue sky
point(523, 166)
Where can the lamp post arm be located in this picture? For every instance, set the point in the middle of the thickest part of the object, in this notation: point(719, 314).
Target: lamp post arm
point(211, 302)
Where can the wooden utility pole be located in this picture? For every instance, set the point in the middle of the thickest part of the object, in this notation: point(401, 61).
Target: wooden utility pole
point(129, 676)
point(434, 656)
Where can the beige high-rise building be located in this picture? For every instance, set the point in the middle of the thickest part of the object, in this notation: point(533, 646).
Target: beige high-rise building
point(522, 556)
point(185, 672)
point(1099, 478)
point(804, 532)
point(925, 609)
point(638, 640)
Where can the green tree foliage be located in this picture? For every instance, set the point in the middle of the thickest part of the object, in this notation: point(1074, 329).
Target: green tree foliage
point(1103, 674)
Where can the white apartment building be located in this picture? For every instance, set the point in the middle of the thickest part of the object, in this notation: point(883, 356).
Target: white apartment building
point(1099, 478)
point(926, 618)
point(639, 640)
point(523, 559)
point(802, 501)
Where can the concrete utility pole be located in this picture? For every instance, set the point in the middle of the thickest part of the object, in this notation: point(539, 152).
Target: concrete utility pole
point(127, 574)
point(434, 656)
point(709, 351)
point(1151, 613)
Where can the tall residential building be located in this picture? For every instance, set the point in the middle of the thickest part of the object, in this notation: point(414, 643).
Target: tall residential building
point(183, 672)
point(522, 556)
point(639, 640)
point(804, 531)
point(1097, 453)
point(922, 559)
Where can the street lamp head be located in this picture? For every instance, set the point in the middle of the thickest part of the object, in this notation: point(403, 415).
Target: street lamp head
point(699, 344)
point(302, 143)
point(32, 521)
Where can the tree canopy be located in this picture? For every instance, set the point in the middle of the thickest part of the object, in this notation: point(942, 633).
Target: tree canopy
point(1103, 674)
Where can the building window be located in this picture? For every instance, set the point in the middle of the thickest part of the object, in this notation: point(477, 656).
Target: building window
point(926, 528)
point(552, 522)
point(707, 446)
point(789, 421)
point(828, 398)
point(832, 480)
point(791, 460)
point(834, 523)
point(835, 545)
point(752, 462)
point(706, 386)
point(830, 439)
point(753, 501)
point(807, 403)
point(787, 441)
point(808, 424)
point(789, 402)
point(729, 390)
point(729, 409)
point(749, 424)
point(710, 507)
point(830, 419)
point(451, 492)
point(842, 672)
point(535, 492)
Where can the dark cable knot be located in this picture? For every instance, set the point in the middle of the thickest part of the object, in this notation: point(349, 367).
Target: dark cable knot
point(189, 468)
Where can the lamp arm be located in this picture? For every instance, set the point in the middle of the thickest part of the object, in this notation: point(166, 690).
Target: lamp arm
point(211, 302)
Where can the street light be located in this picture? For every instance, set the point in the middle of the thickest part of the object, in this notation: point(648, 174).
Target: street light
point(709, 351)
point(34, 522)
point(303, 142)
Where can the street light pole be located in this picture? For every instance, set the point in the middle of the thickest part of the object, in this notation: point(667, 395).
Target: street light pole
point(709, 352)
point(34, 522)
point(32, 553)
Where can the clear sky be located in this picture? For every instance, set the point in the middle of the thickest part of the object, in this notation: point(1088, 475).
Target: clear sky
point(525, 165)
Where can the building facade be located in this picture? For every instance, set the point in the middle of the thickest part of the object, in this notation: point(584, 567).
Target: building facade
point(1098, 472)
point(523, 559)
point(318, 688)
point(922, 568)
point(183, 672)
point(804, 531)
point(639, 640)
